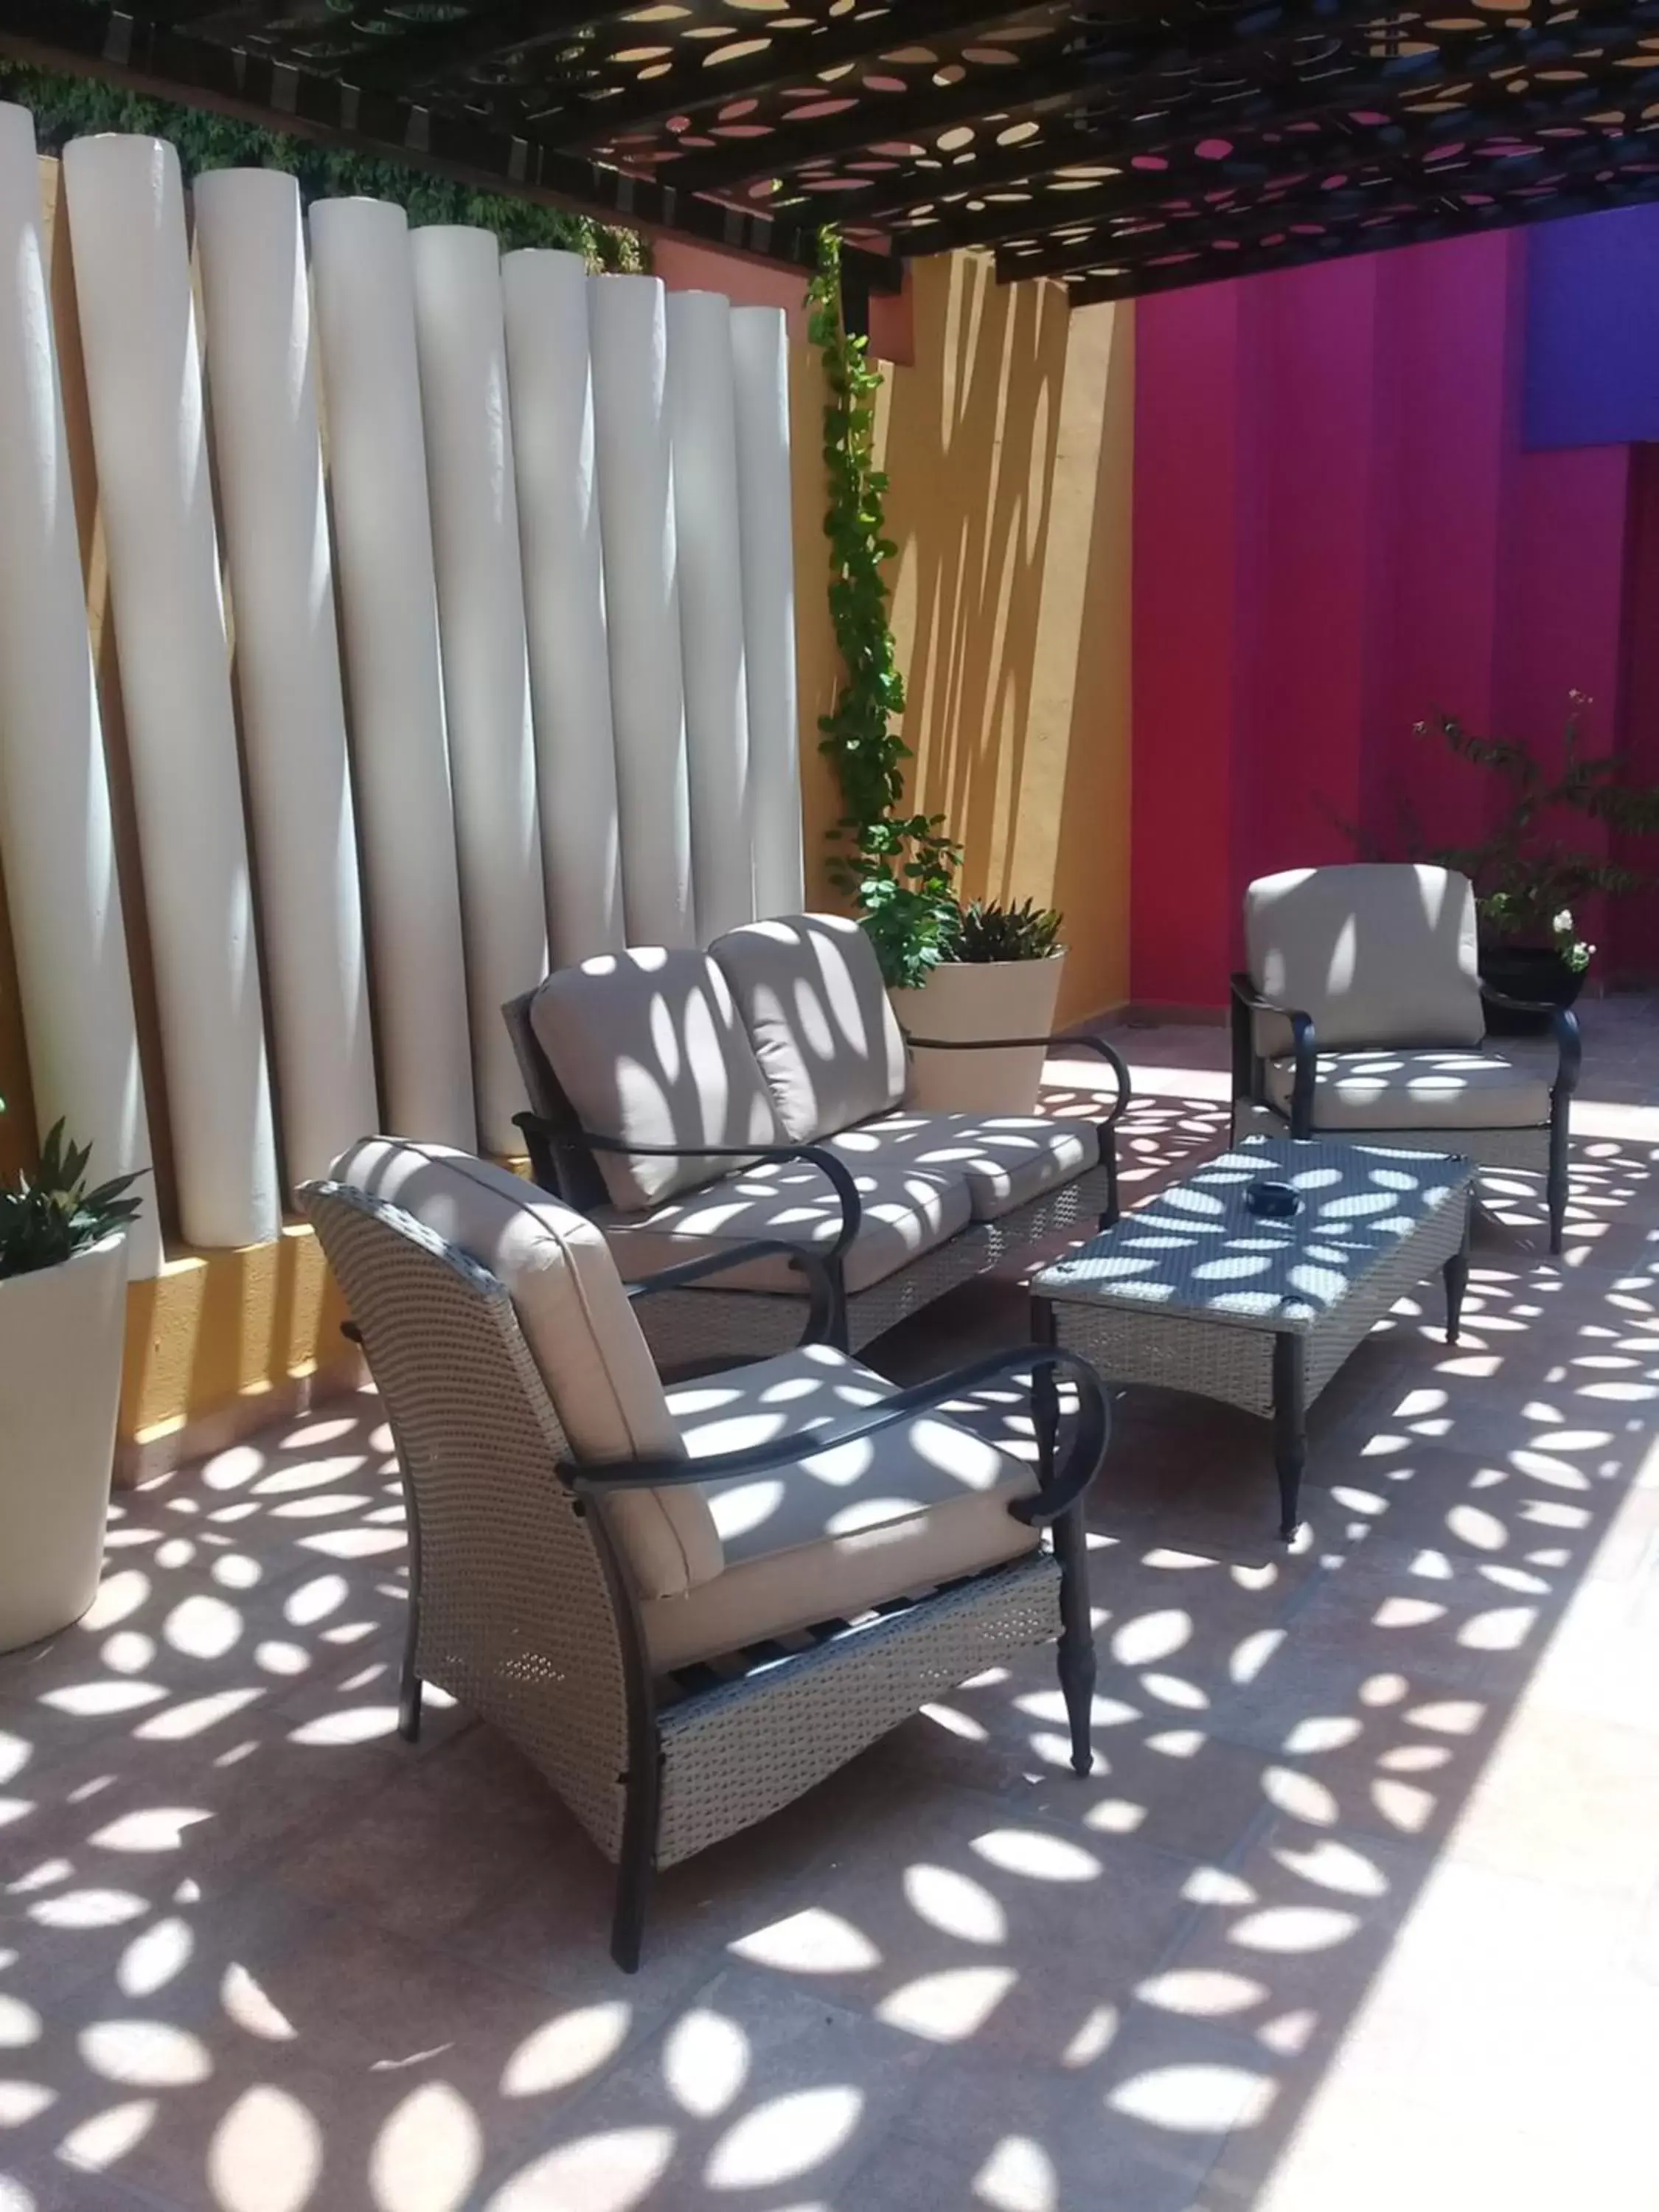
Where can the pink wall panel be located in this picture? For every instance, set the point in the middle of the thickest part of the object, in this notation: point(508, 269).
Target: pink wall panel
point(1336, 534)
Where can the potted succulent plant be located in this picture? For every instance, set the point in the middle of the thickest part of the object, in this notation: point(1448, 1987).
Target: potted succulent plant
point(62, 1304)
point(998, 977)
point(1530, 882)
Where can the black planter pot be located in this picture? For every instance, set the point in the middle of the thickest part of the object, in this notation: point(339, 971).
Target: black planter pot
point(1528, 971)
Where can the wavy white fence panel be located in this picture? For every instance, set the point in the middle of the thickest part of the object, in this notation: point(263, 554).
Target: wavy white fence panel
point(552, 395)
point(760, 350)
point(365, 306)
point(262, 379)
point(701, 405)
point(144, 388)
point(475, 536)
point(55, 834)
point(630, 413)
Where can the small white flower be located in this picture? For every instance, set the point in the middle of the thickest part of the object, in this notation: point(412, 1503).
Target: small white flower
point(1563, 923)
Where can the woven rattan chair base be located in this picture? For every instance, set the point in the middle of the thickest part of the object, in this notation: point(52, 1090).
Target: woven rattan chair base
point(686, 1328)
point(1527, 1152)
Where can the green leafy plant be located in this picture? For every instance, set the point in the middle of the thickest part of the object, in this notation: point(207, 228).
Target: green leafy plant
point(898, 866)
point(52, 1215)
point(990, 930)
point(66, 107)
point(1528, 877)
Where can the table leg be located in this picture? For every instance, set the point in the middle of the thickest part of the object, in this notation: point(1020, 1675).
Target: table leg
point(1290, 1426)
point(1456, 1274)
point(1076, 1656)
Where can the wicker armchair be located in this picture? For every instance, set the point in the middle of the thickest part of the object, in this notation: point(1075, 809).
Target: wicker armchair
point(684, 1100)
point(685, 1608)
point(1362, 1018)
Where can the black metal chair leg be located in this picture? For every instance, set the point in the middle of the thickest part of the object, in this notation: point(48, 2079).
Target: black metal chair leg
point(1076, 1635)
point(408, 1705)
point(638, 1863)
point(1108, 1161)
point(1558, 1180)
point(1289, 1428)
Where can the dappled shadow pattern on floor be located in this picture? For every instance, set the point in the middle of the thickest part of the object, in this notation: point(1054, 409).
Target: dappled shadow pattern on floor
point(256, 1956)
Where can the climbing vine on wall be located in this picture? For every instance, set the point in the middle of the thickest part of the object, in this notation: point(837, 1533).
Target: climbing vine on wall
point(67, 107)
point(899, 867)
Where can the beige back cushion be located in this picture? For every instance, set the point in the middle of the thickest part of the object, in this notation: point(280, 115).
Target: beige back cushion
point(1377, 953)
point(578, 1325)
point(817, 1012)
point(647, 1047)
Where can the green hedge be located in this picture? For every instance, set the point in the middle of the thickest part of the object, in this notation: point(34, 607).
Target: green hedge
point(71, 106)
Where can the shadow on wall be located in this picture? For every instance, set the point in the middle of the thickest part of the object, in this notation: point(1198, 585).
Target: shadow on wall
point(1008, 447)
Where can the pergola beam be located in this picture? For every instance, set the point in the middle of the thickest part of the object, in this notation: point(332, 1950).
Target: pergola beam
point(418, 55)
point(1256, 165)
point(793, 58)
point(1266, 243)
point(154, 59)
point(1123, 69)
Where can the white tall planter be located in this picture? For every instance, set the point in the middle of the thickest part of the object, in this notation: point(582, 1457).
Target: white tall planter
point(61, 1332)
point(144, 391)
point(760, 360)
point(365, 299)
point(630, 413)
point(552, 392)
point(462, 342)
point(263, 386)
point(703, 430)
point(973, 1000)
point(56, 833)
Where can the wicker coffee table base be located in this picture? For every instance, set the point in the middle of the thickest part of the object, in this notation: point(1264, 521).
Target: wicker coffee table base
point(1276, 1374)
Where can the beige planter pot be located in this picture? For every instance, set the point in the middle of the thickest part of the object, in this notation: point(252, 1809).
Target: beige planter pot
point(61, 1333)
point(972, 999)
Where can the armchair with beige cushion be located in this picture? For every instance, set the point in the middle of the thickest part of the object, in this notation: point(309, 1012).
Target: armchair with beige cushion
point(1362, 1016)
point(688, 1101)
point(687, 1606)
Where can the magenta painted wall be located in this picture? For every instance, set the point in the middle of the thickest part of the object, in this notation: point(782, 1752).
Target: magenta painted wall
point(1338, 531)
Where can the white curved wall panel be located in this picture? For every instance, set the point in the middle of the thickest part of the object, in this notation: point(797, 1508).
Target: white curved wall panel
point(56, 833)
point(475, 538)
point(628, 332)
point(703, 434)
point(364, 291)
point(145, 389)
point(551, 389)
point(261, 381)
point(760, 351)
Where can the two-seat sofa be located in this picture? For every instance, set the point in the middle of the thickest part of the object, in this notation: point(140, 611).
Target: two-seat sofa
point(689, 1101)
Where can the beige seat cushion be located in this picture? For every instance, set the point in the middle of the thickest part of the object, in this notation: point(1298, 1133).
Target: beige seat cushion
point(1416, 1091)
point(1005, 1159)
point(1377, 954)
point(817, 1012)
point(906, 1211)
point(829, 1536)
point(578, 1325)
point(646, 1046)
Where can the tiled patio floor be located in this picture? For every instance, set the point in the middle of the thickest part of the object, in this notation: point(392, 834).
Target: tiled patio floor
point(1359, 1909)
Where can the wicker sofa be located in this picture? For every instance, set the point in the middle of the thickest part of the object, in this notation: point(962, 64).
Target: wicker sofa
point(1363, 1017)
point(688, 1102)
point(688, 1607)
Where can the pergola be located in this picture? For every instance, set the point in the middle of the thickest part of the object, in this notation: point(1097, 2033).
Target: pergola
point(1124, 148)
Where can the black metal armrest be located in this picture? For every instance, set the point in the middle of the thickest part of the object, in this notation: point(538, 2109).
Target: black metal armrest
point(838, 1175)
point(821, 1308)
point(1108, 1053)
point(1055, 1498)
point(1247, 1001)
point(1563, 1027)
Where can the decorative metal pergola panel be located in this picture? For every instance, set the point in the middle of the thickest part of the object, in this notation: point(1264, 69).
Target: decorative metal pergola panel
point(1123, 149)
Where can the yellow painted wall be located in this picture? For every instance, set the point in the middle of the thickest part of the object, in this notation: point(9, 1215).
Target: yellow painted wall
point(1008, 442)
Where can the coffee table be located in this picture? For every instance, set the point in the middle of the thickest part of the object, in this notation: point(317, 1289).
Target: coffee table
point(1194, 1292)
